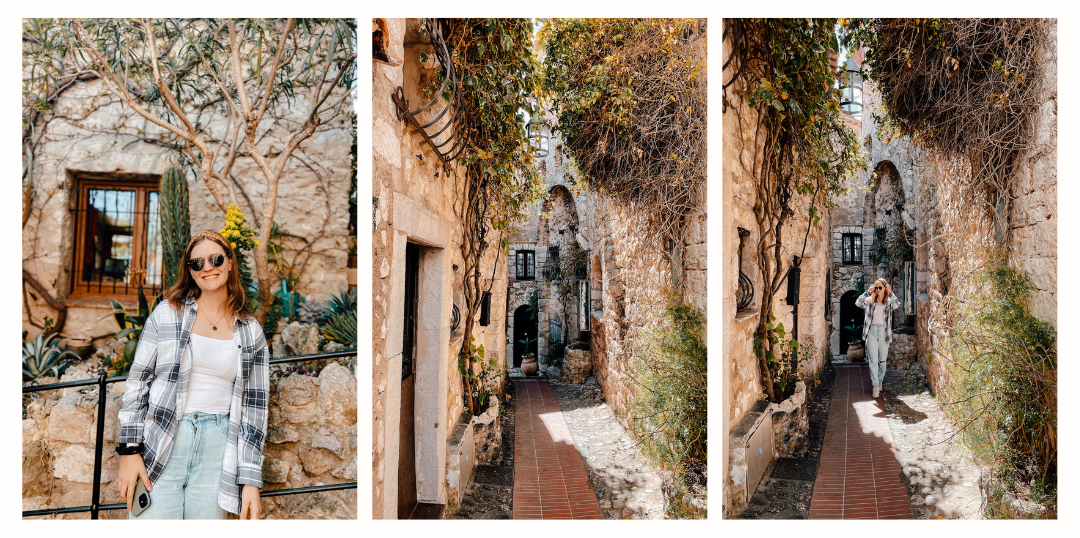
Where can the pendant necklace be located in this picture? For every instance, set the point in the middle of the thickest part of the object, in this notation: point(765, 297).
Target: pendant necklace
point(214, 324)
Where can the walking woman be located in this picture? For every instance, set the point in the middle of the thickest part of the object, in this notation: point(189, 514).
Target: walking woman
point(879, 303)
point(195, 406)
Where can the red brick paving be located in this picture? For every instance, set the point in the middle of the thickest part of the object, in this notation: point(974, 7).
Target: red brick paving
point(549, 477)
point(858, 475)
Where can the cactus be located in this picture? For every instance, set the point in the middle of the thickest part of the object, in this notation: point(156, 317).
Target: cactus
point(175, 221)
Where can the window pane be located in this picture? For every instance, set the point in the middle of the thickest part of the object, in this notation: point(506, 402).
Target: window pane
point(858, 248)
point(110, 219)
point(153, 242)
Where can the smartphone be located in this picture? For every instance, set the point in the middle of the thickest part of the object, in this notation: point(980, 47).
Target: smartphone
point(141, 502)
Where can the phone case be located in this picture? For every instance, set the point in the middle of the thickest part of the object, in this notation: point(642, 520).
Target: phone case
point(141, 501)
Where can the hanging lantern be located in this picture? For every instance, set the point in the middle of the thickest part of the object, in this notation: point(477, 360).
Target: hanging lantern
point(539, 137)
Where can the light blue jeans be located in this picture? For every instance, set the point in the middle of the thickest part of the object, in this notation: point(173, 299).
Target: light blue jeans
point(188, 486)
point(877, 350)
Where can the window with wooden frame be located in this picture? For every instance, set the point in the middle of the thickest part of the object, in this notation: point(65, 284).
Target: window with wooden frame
point(852, 249)
point(526, 265)
point(116, 233)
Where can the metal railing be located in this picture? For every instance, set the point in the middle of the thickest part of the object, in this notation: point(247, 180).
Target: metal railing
point(102, 381)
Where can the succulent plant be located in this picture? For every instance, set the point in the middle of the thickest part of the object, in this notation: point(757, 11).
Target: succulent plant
point(43, 355)
point(175, 221)
point(342, 328)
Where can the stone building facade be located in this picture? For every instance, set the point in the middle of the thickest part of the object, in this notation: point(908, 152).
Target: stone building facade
point(423, 441)
point(744, 411)
point(619, 285)
point(91, 141)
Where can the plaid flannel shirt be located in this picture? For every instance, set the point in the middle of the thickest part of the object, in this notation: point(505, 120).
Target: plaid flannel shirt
point(865, 301)
point(156, 395)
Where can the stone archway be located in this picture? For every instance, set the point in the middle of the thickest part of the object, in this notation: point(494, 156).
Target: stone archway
point(524, 329)
point(850, 316)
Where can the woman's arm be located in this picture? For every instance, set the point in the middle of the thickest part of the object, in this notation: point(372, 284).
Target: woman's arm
point(894, 303)
point(863, 300)
point(252, 436)
point(137, 388)
point(135, 405)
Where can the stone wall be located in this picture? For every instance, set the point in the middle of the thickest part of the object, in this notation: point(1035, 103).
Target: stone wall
point(414, 202)
point(311, 440)
point(740, 374)
point(92, 134)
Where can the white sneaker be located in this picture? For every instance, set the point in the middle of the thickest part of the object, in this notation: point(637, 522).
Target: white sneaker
point(877, 391)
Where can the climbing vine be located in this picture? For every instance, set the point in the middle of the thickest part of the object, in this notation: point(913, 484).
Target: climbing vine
point(783, 70)
point(631, 101)
point(498, 75)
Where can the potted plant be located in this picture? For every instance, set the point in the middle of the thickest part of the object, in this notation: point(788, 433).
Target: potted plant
point(529, 366)
point(855, 350)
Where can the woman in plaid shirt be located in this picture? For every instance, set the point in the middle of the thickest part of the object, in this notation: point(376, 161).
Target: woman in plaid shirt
point(193, 423)
point(879, 304)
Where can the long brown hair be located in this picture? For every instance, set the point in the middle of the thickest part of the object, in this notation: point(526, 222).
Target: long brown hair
point(884, 298)
point(186, 287)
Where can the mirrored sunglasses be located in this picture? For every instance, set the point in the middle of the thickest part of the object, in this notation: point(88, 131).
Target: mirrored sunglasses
point(196, 264)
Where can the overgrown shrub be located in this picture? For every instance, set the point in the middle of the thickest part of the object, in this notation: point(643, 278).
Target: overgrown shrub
point(669, 414)
point(1003, 388)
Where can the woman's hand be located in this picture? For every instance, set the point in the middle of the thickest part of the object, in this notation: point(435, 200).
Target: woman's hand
point(250, 504)
point(888, 289)
point(131, 468)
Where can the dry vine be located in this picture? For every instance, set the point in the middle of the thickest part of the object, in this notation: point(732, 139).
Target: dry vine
point(964, 87)
point(632, 95)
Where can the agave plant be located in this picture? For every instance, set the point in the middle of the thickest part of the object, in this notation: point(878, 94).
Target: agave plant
point(342, 329)
point(43, 355)
point(131, 326)
point(342, 303)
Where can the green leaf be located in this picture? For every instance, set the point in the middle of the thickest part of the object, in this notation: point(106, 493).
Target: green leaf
point(780, 330)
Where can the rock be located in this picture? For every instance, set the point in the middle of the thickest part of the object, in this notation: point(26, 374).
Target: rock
point(282, 435)
point(275, 471)
point(318, 461)
point(70, 422)
point(324, 439)
point(76, 463)
point(337, 395)
point(300, 338)
point(553, 372)
point(577, 366)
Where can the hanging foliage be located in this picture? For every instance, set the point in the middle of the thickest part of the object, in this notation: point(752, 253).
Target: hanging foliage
point(967, 88)
point(631, 102)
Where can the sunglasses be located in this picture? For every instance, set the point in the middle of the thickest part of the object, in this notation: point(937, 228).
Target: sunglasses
point(196, 264)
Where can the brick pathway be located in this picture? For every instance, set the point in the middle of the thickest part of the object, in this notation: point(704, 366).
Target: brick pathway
point(859, 476)
point(549, 476)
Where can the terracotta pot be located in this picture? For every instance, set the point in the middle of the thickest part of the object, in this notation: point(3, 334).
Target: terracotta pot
point(529, 366)
point(856, 352)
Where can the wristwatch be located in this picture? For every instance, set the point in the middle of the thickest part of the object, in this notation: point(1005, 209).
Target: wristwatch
point(129, 449)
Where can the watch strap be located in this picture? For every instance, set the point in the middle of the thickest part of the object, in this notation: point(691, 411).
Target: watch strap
point(129, 449)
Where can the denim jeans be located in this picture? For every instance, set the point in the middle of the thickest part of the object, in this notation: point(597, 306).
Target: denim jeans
point(877, 349)
point(188, 486)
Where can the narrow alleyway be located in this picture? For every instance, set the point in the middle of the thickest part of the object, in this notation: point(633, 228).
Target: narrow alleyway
point(550, 481)
point(859, 476)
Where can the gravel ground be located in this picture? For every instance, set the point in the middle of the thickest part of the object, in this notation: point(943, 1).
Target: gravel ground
point(942, 480)
point(626, 486)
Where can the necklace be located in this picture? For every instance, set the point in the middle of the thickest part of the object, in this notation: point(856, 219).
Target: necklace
point(213, 324)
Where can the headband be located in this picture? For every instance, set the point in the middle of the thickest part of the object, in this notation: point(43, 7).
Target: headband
point(211, 233)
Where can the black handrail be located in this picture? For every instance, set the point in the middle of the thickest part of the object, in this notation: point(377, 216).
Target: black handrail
point(102, 381)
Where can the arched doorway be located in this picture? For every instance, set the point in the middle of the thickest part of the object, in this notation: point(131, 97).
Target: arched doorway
point(850, 316)
point(524, 329)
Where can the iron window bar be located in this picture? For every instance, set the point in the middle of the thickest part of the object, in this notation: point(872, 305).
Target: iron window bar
point(746, 286)
point(456, 122)
point(102, 381)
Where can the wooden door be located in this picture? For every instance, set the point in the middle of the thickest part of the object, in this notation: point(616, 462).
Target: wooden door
point(407, 436)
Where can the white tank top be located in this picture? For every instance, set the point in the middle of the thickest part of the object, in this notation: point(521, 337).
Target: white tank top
point(214, 364)
point(878, 315)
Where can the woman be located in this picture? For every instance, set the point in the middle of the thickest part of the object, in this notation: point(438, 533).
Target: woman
point(195, 406)
point(879, 303)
